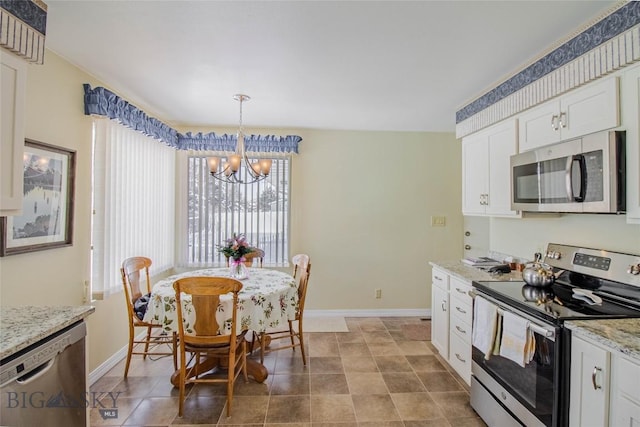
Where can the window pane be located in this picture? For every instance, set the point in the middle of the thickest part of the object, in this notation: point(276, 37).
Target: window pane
point(217, 209)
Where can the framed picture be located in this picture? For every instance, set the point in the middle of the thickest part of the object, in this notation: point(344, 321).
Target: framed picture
point(47, 207)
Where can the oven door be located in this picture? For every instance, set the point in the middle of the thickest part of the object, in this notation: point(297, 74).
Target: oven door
point(529, 393)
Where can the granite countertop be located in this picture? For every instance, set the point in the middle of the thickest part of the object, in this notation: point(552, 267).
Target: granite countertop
point(467, 273)
point(622, 335)
point(22, 326)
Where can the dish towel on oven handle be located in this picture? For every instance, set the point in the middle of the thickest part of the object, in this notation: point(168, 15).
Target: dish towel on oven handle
point(485, 323)
point(518, 341)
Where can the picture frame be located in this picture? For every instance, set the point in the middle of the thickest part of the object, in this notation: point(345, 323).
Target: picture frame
point(46, 221)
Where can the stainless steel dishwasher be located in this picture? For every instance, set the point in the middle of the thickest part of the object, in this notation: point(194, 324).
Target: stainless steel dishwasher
point(45, 383)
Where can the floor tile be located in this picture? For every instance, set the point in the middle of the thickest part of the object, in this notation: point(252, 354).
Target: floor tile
point(325, 365)
point(416, 406)
point(403, 382)
point(289, 409)
point(374, 407)
point(290, 384)
point(454, 404)
point(328, 384)
point(154, 411)
point(366, 383)
point(439, 381)
point(332, 408)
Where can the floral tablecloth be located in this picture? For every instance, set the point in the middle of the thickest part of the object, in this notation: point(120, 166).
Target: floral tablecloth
point(268, 299)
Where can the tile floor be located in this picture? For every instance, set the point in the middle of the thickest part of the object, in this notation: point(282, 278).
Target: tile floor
point(371, 376)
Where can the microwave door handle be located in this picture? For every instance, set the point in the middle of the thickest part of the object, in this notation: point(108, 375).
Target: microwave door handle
point(571, 162)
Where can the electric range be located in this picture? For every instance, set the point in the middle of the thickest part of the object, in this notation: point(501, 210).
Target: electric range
point(504, 393)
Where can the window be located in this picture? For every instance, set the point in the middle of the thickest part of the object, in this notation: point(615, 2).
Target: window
point(133, 203)
point(216, 210)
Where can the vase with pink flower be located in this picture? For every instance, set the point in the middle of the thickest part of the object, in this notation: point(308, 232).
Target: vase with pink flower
point(235, 249)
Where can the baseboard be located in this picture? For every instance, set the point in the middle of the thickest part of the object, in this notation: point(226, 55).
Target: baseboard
point(401, 312)
point(108, 364)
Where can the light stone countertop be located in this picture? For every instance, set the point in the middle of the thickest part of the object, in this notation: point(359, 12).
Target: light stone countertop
point(621, 335)
point(467, 273)
point(22, 326)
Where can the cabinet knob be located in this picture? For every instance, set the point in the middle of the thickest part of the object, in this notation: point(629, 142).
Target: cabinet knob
point(467, 247)
point(467, 233)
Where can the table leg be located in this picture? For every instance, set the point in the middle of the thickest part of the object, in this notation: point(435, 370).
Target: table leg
point(254, 369)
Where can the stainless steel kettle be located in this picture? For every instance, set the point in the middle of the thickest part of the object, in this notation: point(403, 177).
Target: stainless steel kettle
point(538, 273)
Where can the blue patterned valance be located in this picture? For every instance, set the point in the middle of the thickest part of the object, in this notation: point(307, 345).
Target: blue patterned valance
point(616, 23)
point(103, 102)
point(257, 143)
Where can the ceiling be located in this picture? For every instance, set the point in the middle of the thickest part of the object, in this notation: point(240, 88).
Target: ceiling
point(360, 65)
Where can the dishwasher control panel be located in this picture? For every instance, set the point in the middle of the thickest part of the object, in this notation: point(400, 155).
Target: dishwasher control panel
point(37, 355)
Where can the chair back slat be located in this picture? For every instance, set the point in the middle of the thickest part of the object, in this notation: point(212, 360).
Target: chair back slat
point(132, 271)
point(300, 263)
point(205, 295)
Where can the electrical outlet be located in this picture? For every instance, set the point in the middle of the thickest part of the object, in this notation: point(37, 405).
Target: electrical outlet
point(438, 221)
point(378, 293)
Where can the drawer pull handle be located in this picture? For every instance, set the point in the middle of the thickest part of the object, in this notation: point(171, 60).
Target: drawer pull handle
point(461, 310)
point(461, 291)
point(460, 358)
point(461, 330)
point(593, 377)
point(443, 307)
point(437, 277)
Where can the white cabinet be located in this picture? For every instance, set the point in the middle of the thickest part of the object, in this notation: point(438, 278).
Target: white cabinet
point(440, 312)
point(486, 170)
point(451, 314)
point(625, 391)
point(12, 99)
point(589, 398)
point(460, 321)
point(630, 106)
point(605, 386)
point(592, 108)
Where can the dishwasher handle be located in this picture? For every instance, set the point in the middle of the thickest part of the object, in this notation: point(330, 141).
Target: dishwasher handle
point(36, 373)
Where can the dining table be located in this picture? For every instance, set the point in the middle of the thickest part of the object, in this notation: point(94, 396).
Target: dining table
point(268, 299)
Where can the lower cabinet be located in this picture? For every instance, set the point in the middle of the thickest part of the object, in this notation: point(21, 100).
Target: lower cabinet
point(451, 320)
point(605, 386)
point(440, 315)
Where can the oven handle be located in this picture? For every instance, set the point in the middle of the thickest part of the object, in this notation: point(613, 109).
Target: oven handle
point(536, 328)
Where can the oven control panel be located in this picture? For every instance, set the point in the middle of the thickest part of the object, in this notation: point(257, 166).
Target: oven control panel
point(616, 266)
point(599, 262)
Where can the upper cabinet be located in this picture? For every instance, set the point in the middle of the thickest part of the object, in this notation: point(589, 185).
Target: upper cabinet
point(589, 109)
point(486, 181)
point(13, 75)
point(630, 102)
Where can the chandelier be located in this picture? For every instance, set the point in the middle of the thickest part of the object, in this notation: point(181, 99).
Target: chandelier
point(236, 168)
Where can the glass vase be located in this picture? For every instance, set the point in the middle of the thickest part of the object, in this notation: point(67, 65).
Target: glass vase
point(238, 270)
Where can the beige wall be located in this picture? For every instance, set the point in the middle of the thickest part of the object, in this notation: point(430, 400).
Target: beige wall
point(523, 237)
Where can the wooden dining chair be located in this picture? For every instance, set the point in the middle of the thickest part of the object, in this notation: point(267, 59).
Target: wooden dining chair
point(301, 271)
point(202, 335)
point(257, 253)
point(132, 271)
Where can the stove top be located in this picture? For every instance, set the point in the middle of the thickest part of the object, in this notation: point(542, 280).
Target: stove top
point(608, 275)
point(555, 303)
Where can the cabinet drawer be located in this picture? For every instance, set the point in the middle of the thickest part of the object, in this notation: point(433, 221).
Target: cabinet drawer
point(460, 357)
point(460, 309)
point(460, 290)
point(461, 328)
point(440, 279)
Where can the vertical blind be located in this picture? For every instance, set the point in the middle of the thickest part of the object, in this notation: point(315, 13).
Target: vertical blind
point(216, 210)
point(133, 203)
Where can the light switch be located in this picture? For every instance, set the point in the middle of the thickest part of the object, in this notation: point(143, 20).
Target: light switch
point(438, 221)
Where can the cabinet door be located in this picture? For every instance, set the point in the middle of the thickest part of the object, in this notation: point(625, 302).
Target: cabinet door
point(625, 391)
point(590, 109)
point(589, 396)
point(630, 101)
point(502, 145)
point(12, 103)
point(440, 320)
point(539, 126)
point(475, 159)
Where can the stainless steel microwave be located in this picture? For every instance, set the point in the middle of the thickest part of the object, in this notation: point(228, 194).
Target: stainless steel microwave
point(584, 175)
